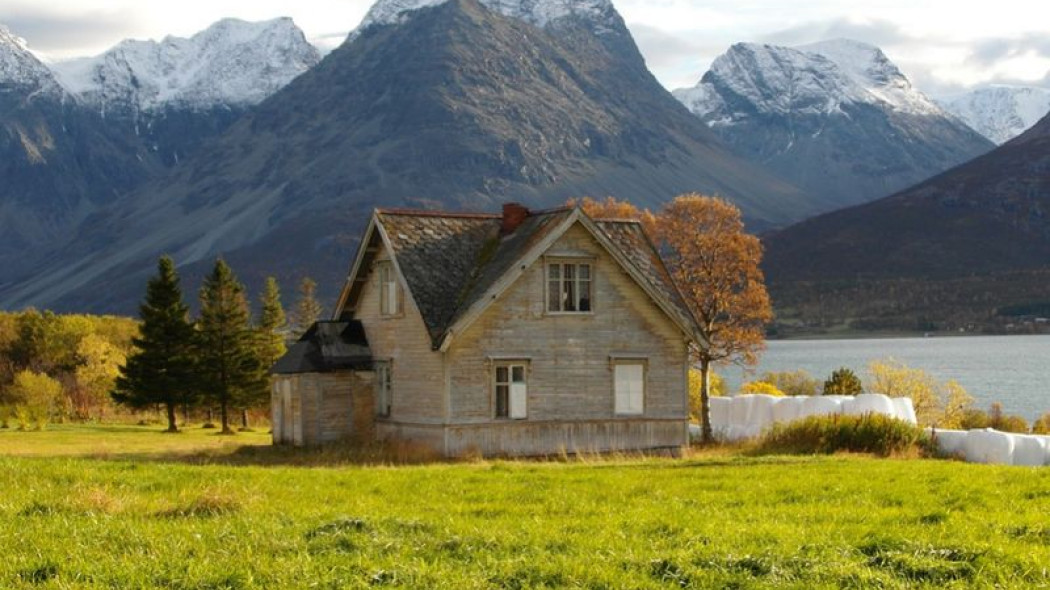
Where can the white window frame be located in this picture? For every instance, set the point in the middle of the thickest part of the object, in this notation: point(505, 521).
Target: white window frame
point(569, 284)
point(510, 391)
point(389, 289)
point(383, 388)
point(629, 385)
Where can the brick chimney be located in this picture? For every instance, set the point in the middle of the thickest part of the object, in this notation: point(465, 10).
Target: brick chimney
point(513, 215)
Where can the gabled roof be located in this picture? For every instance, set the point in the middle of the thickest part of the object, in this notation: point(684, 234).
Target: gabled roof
point(327, 346)
point(454, 265)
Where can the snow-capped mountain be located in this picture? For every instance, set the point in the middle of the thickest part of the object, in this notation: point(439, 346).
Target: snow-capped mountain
point(178, 92)
point(231, 63)
point(540, 13)
point(1000, 112)
point(21, 69)
point(837, 117)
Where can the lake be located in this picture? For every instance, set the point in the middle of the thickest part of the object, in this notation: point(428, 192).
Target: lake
point(1014, 370)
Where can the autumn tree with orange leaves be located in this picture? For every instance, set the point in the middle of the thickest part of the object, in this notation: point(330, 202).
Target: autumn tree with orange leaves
point(715, 264)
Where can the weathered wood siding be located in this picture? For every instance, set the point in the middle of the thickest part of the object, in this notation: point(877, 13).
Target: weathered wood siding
point(417, 371)
point(570, 375)
point(323, 407)
point(530, 438)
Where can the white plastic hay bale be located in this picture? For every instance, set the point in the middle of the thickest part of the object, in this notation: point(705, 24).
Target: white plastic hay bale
point(841, 399)
point(736, 433)
point(761, 415)
point(905, 409)
point(787, 409)
point(694, 431)
point(740, 412)
point(824, 405)
point(950, 442)
point(846, 407)
point(719, 408)
point(1029, 450)
point(871, 403)
point(989, 446)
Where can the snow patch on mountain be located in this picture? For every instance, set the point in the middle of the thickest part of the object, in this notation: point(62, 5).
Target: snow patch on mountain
point(540, 13)
point(231, 63)
point(1000, 112)
point(20, 68)
point(812, 79)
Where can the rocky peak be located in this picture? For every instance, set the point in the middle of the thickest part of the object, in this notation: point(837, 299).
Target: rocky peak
point(19, 68)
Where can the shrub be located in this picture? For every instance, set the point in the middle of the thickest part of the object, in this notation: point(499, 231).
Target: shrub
point(760, 387)
point(943, 405)
point(974, 418)
point(1042, 424)
point(870, 433)
point(1005, 423)
point(792, 382)
point(843, 382)
point(37, 397)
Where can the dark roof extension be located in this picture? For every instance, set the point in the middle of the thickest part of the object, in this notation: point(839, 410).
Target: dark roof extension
point(327, 346)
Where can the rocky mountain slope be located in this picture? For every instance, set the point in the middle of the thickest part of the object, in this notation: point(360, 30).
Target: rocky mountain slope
point(452, 106)
point(177, 92)
point(58, 162)
point(837, 118)
point(1000, 113)
point(975, 240)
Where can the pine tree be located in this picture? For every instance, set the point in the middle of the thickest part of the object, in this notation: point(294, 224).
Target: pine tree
point(272, 323)
point(307, 308)
point(230, 370)
point(160, 371)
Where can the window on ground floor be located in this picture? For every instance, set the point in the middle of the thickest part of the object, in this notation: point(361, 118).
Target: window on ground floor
point(511, 390)
point(629, 388)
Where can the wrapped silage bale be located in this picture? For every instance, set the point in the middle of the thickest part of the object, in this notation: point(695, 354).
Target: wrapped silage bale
point(905, 409)
point(740, 413)
point(1029, 450)
point(989, 446)
point(871, 403)
point(719, 407)
point(824, 405)
point(949, 442)
point(846, 407)
point(761, 415)
point(787, 409)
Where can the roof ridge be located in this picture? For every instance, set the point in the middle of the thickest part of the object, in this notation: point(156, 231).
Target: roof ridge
point(433, 213)
point(617, 220)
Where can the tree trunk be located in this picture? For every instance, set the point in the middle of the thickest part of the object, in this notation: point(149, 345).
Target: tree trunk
point(244, 419)
point(705, 402)
point(172, 427)
point(225, 415)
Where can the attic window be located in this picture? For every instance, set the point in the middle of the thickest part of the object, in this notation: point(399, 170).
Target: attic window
point(568, 287)
point(389, 290)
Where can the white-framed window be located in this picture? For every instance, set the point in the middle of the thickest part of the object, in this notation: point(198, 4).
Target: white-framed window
point(569, 287)
point(389, 290)
point(384, 394)
point(511, 390)
point(629, 388)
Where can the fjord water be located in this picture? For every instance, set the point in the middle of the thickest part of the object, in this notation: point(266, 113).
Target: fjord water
point(1014, 370)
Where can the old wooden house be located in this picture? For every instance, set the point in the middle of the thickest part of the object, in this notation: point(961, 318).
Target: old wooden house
point(526, 333)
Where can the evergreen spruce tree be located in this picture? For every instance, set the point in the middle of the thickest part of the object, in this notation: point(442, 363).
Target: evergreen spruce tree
point(307, 308)
point(229, 369)
point(272, 323)
point(160, 371)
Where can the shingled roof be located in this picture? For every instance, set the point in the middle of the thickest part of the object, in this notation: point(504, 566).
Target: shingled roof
point(451, 261)
point(327, 346)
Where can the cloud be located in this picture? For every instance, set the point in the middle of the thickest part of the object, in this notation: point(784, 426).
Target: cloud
point(877, 32)
point(989, 52)
point(69, 34)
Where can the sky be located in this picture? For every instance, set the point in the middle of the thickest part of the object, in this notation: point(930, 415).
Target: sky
point(944, 46)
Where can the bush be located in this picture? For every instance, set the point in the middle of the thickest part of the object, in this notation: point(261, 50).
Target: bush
point(943, 405)
point(870, 433)
point(760, 387)
point(1005, 423)
point(843, 382)
point(792, 382)
point(1042, 424)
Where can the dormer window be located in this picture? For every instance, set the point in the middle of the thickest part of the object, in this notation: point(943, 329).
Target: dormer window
point(569, 287)
point(389, 290)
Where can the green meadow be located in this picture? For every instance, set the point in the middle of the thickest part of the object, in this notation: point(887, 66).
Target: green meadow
point(130, 507)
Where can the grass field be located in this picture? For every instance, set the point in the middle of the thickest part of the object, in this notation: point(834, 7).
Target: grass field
point(129, 507)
